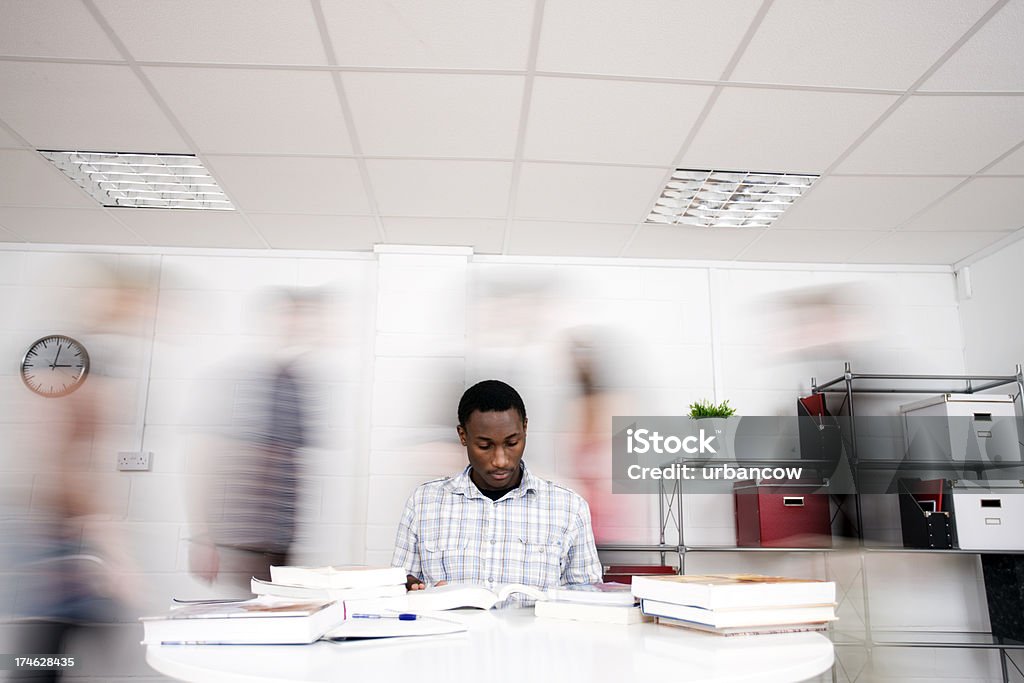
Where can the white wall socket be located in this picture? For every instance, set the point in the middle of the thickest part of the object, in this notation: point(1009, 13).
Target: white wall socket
point(131, 461)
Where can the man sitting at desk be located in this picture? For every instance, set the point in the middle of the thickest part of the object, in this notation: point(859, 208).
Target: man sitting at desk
point(495, 522)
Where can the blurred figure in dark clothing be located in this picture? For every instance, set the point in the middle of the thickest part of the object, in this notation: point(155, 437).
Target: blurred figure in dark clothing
point(245, 514)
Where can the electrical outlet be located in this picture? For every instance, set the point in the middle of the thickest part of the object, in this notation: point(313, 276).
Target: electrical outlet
point(131, 461)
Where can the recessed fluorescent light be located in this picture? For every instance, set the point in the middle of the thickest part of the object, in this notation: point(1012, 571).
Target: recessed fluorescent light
point(733, 199)
point(160, 181)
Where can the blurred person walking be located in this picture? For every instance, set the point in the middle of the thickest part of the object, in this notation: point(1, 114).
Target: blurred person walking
point(71, 567)
point(246, 510)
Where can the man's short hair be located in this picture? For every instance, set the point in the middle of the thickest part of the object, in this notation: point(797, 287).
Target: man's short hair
point(489, 396)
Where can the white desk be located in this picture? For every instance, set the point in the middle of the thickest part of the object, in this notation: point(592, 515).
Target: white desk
point(511, 645)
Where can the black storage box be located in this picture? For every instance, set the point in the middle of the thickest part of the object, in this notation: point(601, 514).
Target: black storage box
point(924, 521)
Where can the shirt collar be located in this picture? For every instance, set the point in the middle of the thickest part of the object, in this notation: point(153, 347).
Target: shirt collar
point(462, 484)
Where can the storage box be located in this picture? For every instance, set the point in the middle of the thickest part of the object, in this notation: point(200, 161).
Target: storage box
point(924, 517)
point(624, 573)
point(782, 515)
point(988, 515)
point(962, 427)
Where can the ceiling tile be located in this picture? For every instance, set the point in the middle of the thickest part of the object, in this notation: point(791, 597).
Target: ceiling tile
point(549, 238)
point(477, 189)
point(610, 121)
point(217, 31)
point(782, 130)
point(292, 184)
point(672, 242)
point(981, 204)
point(169, 228)
point(991, 60)
point(665, 38)
point(457, 34)
point(87, 107)
point(255, 111)
point(26, 179)
point(66, 226)
point(485, 236)
point(936, 248)
point(1013, 164)
point(402, 114)
point(940, 134)
point(863, 203)
point(866, 44)
point(587, 193)
point(344, 233)
point(52, 28)
point(809, 246)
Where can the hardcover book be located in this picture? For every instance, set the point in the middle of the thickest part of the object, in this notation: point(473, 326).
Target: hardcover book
point(248, 622)
point(729, 618)
point(723, 591)
point(338, 577)
point(742, 630)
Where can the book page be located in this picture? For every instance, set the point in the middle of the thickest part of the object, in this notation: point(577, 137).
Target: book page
point(505, 591)
point(452, 596)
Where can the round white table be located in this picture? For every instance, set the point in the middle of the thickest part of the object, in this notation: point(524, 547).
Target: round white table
point(511, 645)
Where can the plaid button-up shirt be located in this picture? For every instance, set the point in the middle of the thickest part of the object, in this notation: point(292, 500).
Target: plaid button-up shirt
point(538, 534)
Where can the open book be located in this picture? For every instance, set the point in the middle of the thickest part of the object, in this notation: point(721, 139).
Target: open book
point(455, 595)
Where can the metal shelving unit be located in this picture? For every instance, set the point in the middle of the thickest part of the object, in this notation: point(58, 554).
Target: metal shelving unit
point(671, 506)
point(881, 638)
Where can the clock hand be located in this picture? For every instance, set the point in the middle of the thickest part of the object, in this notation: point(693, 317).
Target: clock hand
point(56, 358)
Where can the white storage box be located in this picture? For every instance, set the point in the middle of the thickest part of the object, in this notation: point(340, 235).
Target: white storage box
point(962, 427)
point(988, 515)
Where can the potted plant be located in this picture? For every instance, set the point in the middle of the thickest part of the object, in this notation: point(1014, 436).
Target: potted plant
point(714, 418)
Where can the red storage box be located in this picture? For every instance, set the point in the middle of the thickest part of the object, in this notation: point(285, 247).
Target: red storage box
point(624, 573)
point(782, 515)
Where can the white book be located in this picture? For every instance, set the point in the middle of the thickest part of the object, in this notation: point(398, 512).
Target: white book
point(742, 630)
point(455, 595)
point(729, 618)
point(594, 594)
point(723, 591)
point(260, 621)
point(338, 577)
point(601, 614)
point(284, 590)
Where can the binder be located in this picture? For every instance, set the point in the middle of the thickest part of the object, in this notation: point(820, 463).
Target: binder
point(925, 523)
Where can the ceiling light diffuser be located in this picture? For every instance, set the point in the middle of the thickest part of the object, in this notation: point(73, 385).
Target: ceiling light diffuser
point(727, 199)
point(160, 181)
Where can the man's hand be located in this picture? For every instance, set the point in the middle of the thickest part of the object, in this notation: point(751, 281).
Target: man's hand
point(414, 584)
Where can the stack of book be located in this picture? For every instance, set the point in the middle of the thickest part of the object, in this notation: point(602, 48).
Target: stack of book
point(363, 590)
point(738, 604)
point(606, 603)
point(261, 621)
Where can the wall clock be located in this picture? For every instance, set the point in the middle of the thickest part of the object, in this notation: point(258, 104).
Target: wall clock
point(54, 366)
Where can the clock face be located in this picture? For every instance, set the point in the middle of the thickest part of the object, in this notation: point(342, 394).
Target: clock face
point(54, 366)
